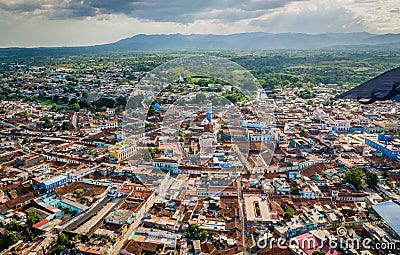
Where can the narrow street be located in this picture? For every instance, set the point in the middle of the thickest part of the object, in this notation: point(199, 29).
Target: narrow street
point(242, 216)
point(118, 246)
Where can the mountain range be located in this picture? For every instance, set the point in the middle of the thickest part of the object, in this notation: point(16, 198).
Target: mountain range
point(250, 41)
point(241, 41)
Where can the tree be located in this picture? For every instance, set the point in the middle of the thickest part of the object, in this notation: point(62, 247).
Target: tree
point(371, 179)
point(104, 102)
point(64, 100)
point(288, 214)
point(194, 232)
point(31, 237)
point(306, 94)
point(14, 226)
point(75, 107)
point(57, 249)
point(151, 111)
point(148, 153)
point(54, 108)
point(10, 238)
point(85, 94)
point(63, 239)
point(354, 177)
point(203, 234)
point(121, 101)
point(318, 253)
point(47, 122)
point(32, 218)
point(84, 104)
point(73, 101)
point(295, 191)
point(236, 96)
point(78, 192)
point(65, 125)
point(135, 101)
point(385, 174)
point(75, 239)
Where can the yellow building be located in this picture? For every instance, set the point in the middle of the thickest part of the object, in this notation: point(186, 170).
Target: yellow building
point(122, 151)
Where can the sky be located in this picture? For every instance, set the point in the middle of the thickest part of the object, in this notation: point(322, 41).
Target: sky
point(31, 23)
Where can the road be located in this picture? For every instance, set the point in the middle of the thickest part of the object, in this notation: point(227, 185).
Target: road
point(74, 121)
point(242, 215)
point(118, 246)
point(87, 215)
point(89, 227)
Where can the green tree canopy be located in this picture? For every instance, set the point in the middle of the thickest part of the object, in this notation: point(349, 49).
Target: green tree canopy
point(65, 125)
point(104, 102)
point(73, 101)
point(75, 107)
point(385, 174)
point(194, 232)
point(121, 100)
point(288, 214)
point(9, 238)
point(63, 239)
point(32, 218)
point(354, 176)
point(78, 192)
point(57, 249)
point(14, 226)
point(371, 179)
point(295, 191)
point(84, 104)
point(47, 122)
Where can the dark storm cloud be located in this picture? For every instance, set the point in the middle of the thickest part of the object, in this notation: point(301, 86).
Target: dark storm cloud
point(181, 11)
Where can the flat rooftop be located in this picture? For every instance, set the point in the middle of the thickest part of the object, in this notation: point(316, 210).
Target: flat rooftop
point(154, 236)
point(54, 179)
point(390, 212)
point(251, 214)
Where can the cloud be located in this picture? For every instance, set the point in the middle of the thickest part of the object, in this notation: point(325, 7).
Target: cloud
point(88, 22)
point(179, 11)
point(313, 17)
point(378, 15)
point(32, 32)
point(20, 6)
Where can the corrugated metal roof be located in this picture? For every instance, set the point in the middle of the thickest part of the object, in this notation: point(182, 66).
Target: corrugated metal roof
point(390, 213)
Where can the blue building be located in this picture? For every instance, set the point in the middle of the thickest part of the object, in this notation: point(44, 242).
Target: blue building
point(53, 182)
point(166, 164)
point(388, 145)
point(293, 174)
point(357, 129)
point(209, 111)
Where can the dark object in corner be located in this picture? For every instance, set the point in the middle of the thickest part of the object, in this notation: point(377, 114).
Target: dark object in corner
point(381, 88)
